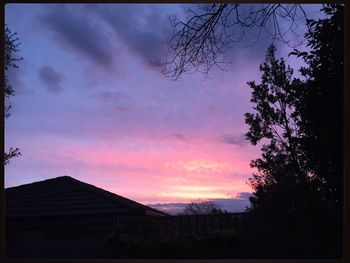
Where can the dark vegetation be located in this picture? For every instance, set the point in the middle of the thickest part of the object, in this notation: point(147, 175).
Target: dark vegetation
point(11, 48)
point(224, 238)
point(202, 208)
point(182, 236)
point(298, 190)
point(215, 244)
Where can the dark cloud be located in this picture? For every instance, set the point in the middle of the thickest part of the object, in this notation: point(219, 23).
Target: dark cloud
point(110, 96)
point(51, 78)
point(171, 208)
point(143, 28)
point(244, 195)
point(76, 30)
point(233, 139)
point(119, 101)
point(180, 136)
point(233, 204)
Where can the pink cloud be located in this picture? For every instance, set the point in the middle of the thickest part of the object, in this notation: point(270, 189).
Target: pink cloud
point(143, 170)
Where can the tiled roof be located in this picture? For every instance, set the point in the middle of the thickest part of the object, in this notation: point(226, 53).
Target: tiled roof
point(65, 196)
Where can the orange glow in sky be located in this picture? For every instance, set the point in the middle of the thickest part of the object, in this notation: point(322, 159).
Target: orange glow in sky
point(153, 171)
point(90, 106)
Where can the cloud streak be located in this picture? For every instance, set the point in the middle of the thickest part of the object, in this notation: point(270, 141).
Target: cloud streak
point(135, 24)
point(51, 78)
point(75, 30)
point(233, 139)
point(117, 101)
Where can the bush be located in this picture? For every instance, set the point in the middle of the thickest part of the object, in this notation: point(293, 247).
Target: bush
point(215, 244)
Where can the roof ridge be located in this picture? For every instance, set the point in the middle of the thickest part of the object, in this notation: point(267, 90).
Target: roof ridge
point(112, 196)
point(40, 195)
point(109, 194)
point(45, 180)
point(123, 201)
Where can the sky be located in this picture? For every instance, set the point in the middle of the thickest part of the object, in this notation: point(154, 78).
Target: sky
point(90, 105)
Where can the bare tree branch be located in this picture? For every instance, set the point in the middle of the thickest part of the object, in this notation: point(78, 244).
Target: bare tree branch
point(210, 30)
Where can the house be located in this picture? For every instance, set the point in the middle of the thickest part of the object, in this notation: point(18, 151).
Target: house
point(63, 217)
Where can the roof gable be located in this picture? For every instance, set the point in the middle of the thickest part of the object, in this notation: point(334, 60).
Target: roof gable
point(63, 196)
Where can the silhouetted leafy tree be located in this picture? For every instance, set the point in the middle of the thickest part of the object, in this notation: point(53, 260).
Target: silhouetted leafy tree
point(321, 109)
point(10, 60)
point(298, 187)
point(321, 104)
point(283, 176)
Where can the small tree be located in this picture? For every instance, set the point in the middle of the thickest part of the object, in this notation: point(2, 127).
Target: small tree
point(10, 60)
point(201, 208)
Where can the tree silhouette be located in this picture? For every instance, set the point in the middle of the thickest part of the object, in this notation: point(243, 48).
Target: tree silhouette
point(321, 104)
point(210, 30)
point(282, 176)
point(201, 208)
point(321, 110)
point(10, 60)
point(298, 187)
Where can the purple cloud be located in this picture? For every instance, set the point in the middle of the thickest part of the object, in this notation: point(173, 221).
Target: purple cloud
point(244, 195)
point(51, 78)
point(110, 96)
point(119, 101)
point(76, 30)
point(135, 25)
point(180, 136)
point(233, 139)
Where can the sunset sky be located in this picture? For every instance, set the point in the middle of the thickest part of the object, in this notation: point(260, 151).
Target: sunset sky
point(89, 105)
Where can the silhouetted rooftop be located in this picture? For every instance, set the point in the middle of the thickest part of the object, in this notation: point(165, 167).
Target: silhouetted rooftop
point(66, 196)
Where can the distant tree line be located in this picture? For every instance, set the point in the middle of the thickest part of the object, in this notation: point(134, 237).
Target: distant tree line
point(202, 207)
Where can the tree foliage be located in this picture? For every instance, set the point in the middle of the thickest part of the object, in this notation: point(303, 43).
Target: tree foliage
point(298, 184)
point(321, 105)
point(11, 48)
point(282, 174)
point(201, 208)
point(200, 42)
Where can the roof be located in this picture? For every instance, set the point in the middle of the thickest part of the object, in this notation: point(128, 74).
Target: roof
point(66, 196)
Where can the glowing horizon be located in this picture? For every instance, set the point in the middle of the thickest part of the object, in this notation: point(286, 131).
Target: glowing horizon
point(89, 105)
